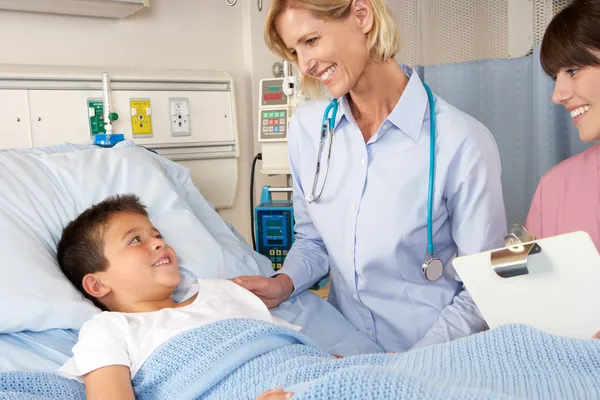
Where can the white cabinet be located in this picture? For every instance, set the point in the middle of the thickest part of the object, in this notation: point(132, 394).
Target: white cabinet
point(14, 119)
point(88, 8)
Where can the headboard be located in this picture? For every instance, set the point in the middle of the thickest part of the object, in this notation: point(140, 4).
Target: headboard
point(47, 105)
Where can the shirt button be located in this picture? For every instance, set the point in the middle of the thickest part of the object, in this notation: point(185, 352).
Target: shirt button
point(363, 161)
point(355, 297)
point(353, 207)
point(386, 125)
point(349, 254)
point(371, 333)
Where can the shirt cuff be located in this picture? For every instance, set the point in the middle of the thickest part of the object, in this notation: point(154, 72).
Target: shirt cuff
point(299, 278)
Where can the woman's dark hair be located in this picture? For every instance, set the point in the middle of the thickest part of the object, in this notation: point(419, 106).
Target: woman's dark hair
point(571, 37)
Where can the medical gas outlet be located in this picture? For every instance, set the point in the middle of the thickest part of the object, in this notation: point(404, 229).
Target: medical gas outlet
point(141, 117)
point(180, 117)
point(96, 117)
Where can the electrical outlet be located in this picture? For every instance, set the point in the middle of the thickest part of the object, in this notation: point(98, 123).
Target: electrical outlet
point(180, 117)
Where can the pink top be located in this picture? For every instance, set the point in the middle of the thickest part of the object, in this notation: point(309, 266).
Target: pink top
point(568, 198)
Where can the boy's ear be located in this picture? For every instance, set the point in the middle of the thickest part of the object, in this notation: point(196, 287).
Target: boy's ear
point(94, 286)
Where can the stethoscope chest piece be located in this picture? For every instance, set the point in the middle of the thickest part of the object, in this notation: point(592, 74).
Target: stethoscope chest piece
point(433, 269)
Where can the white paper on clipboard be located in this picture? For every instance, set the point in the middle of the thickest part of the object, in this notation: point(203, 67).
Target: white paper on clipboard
point(560, 295)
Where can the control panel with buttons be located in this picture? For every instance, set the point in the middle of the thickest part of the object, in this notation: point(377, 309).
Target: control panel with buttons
point(274, 228)
point(274, 223)
point(277, 257)
point(275, 233)
point(275, 110)
point(274, 124)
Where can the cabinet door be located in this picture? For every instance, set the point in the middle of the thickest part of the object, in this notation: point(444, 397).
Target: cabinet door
point(14, 119)
point(89, 8)
point(59, 116)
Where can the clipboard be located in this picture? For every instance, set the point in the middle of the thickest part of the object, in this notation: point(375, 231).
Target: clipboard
point(551, 284)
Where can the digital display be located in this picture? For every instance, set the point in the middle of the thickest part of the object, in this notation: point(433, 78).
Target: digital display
point(272, 96)
point(273, 232)
point(277, 241)
point(272, 93)
point(273, 223)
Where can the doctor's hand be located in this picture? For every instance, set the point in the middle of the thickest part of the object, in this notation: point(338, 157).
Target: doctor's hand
point(272, 291)
point(597, 335)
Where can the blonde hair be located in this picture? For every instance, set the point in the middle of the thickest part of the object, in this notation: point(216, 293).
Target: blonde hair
point(382, 41)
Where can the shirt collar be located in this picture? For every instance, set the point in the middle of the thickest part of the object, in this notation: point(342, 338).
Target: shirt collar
point(410, 111)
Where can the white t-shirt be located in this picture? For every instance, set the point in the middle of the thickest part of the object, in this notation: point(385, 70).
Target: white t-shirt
point(114, 338)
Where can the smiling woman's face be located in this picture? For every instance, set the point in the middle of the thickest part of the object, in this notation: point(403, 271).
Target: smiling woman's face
point(334, 51)
point(578, 89)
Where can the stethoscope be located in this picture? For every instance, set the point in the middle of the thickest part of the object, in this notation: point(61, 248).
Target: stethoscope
point(433, 267)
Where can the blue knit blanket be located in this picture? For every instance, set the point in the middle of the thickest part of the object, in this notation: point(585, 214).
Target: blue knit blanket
point(240, 359)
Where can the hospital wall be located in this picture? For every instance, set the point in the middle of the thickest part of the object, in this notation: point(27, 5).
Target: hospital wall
point(180, 34)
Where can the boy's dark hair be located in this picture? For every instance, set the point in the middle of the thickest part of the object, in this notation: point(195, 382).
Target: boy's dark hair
point(81, 247)
point(570, 36)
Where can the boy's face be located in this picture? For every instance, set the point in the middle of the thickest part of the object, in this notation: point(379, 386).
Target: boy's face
point(141, 266)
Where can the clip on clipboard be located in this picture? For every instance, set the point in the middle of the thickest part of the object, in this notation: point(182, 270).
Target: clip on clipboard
point(550, 284)
point(512, 259)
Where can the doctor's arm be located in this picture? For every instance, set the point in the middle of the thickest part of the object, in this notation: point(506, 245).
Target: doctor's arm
point(307, 261)
point(476, 208)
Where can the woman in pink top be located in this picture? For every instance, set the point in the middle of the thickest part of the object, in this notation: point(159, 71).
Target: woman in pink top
point(568, 196)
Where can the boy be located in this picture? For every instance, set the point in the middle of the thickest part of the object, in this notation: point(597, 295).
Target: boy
point(115, 256)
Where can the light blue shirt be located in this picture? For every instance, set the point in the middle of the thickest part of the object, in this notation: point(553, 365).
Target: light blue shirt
point(369, 227)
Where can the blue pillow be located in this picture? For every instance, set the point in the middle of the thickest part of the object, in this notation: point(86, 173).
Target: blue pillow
point(44, 189)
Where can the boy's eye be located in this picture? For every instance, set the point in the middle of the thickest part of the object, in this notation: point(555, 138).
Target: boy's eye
point(159, 236)
point(311, 41)
point(572, 71)
point(136, 239)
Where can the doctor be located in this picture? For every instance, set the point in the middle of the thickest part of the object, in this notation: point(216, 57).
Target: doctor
point(375, 213)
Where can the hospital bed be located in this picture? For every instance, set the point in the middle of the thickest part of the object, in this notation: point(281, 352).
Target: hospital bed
point(42, 189)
